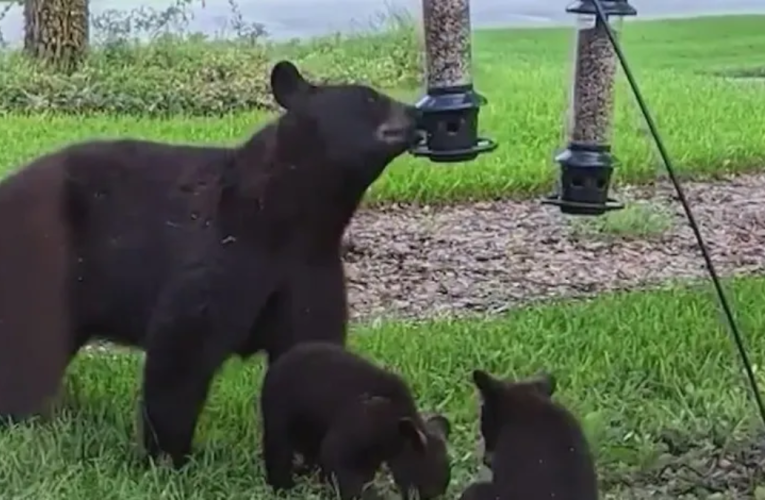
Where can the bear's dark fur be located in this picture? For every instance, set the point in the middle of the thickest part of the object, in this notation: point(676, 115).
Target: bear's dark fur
point(534, 446)
point(349, 416)
point(34, 317)
point(191, 253)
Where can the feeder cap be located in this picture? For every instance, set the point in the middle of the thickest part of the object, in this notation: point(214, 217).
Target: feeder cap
point(454, 99)
point(583, 155)
point(610, 7)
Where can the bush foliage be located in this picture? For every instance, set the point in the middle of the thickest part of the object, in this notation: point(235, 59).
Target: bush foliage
point(146, 62)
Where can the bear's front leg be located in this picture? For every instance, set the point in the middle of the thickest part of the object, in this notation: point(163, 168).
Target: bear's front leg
point(351, 477)
point(198, 323)
point(314, 307)
point(347, 459)
point(175, 385)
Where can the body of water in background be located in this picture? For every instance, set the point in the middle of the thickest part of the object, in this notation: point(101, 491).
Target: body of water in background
point(284, 19)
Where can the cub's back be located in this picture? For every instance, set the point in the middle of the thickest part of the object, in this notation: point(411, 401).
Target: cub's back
point(318, 377)
point(543, 454)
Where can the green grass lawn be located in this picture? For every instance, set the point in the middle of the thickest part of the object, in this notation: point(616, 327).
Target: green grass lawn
point(709, 122)
point(630, 365)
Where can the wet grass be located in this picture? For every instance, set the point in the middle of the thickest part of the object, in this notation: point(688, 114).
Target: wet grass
point(635, 367)
point(707, 121)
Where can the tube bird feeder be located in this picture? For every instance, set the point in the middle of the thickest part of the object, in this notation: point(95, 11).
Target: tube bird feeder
point(449, 110)
point(586, 165)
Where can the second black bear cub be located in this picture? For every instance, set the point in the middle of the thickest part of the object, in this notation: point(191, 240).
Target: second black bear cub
point(533, 445)
point(348, 416)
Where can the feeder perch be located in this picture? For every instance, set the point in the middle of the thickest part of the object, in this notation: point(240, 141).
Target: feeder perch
point(449, 110)
point(586, 164)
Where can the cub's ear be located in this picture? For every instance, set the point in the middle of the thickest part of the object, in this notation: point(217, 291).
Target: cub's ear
point(439, 425)
point(545, 383)
point(409, 431)
point(287, 84)
point(487, 385)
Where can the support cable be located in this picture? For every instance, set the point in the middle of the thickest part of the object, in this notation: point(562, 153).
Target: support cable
point(728, 312)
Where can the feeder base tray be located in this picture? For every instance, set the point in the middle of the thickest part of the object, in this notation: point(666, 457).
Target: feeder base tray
point(483, 145)
point(582, 208)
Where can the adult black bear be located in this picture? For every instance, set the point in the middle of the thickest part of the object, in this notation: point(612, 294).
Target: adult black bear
point(191, 253)
point(534, 446)
point(349, 416)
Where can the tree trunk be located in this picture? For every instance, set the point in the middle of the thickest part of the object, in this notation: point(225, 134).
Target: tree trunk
point(56, 31)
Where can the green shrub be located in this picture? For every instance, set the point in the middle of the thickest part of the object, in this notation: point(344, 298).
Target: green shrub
point(389, 54)
point(177, 72)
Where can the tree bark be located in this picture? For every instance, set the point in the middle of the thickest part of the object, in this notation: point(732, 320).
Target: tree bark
point(56, 31)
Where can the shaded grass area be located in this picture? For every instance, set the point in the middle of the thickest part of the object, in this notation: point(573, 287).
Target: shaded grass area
point(634, 366)
point(708, 122)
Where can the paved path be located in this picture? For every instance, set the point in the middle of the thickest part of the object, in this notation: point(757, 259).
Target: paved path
point(299, 18)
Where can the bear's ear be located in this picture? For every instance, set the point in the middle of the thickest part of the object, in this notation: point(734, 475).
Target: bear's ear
point(409, 430)
point(438, 424)
point(487, 385)
point(544, 383)
point(287, 84)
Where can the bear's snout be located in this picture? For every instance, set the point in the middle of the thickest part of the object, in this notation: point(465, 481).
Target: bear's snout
point(401, 125)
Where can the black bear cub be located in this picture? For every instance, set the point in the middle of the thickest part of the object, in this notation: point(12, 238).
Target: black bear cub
point(192, 253)
point(348, 416)
point(534, 446)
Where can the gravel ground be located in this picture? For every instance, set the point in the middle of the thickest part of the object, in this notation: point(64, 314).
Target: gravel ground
point(486, 257)
point(704, 471)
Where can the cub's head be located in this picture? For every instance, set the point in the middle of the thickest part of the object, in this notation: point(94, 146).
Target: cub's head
point(349, 126)
point(423, 464)
point(502, 400)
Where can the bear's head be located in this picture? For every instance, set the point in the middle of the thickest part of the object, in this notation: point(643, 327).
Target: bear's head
point(503, 400)
point(350, 127)
point(423, 463)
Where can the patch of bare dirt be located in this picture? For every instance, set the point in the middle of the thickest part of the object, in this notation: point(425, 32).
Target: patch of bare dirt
point(487, 257)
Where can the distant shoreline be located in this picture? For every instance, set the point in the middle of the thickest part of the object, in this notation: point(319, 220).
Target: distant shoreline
point(287, 19)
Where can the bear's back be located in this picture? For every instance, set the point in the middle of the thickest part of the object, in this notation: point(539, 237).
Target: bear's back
point(130, 207)
point(125, 180)
point(320, 378)
point(543, 452)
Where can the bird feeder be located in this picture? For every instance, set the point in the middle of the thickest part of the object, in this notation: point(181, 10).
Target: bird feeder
point(449, 110)
point(586, 164)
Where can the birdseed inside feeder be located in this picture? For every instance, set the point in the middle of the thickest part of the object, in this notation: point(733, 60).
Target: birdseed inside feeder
point(449, 122)
point(587, 164)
